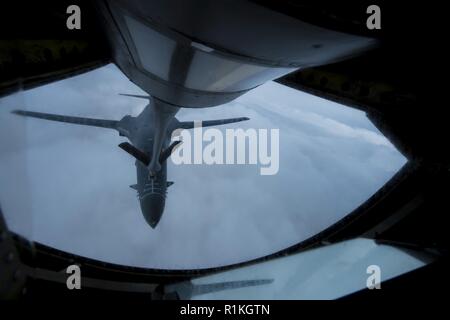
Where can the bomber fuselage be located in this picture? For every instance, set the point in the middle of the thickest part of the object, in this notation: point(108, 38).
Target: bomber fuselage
point(151, 188)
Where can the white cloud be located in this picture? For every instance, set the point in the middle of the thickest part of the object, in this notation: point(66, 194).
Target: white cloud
point(74, 180)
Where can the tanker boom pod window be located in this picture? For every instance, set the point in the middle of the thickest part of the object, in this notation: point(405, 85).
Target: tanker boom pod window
point(83, 192)
point(154, 49)
point(197, 67)
point(214, 73)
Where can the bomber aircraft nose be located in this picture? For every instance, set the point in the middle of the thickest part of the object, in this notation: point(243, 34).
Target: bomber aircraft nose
point(152, 206)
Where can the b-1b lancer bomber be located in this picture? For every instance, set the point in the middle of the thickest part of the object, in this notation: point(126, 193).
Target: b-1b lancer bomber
point(149, 134)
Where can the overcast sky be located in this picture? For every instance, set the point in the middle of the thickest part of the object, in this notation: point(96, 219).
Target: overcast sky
point(67, 186)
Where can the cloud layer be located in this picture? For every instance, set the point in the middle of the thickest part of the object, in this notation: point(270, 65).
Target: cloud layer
point(68, 186)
